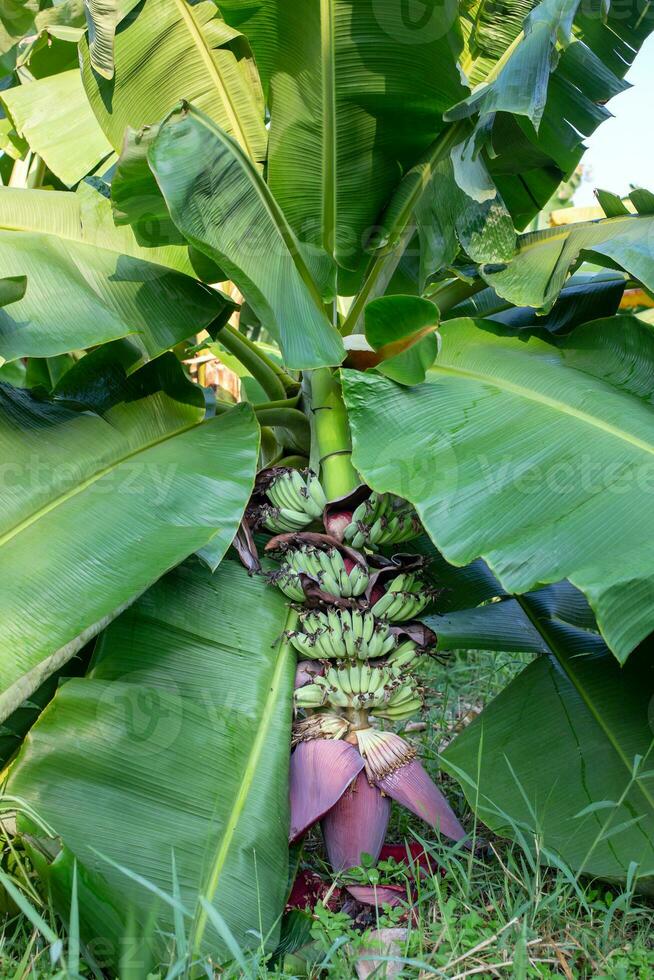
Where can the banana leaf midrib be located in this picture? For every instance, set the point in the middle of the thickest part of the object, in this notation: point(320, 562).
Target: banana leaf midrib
point(529, 394)
point(564, 665)
point(284, 650)
point(88, 482)
point(329, 128)
point(205, 53)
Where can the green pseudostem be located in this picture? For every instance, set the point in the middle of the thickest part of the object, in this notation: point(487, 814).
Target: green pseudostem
point(332, 433)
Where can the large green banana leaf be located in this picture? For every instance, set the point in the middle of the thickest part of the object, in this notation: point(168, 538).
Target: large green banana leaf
point(357, 93)
point(562, 759)
point(550, 68)
point(496, 626)
point(93, 509)
point(89, 282)
point(173, 50)
point(535, 275)
point(219, 202)
point(455, 204)
point(534, 456)
point(175, 748)
point(84, 216)
point(530, 761)
point(54, 116)
point(520, 84)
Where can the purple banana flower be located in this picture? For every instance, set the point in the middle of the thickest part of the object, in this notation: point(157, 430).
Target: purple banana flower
point(356, 824)
point(328, 783)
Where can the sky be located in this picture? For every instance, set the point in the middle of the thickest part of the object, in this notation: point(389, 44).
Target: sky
point(621, 151)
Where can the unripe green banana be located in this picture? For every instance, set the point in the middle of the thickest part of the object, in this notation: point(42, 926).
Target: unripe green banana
point(382, 519)
point(290, 491)
point(278, 494)
point(382, 604)
point(348, 635)
point(357, 631)
point(325, 641)
point(325, 567)
point(404, 693)
point(344, 634)
point(289, 585)
point(338, 698)
point(282, 520)
point(359, 580)
point(406, 596)
point(403, 655)
point(368, 627)
point(316, 494)
point(388, 645)
point(376, 531)
point(398, 713)
point(305, 645)
point(310, 696)
point(296, 518)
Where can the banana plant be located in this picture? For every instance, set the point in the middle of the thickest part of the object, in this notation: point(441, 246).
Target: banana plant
point(215, 613)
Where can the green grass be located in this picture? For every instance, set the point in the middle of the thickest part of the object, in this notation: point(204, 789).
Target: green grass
point(498, 913)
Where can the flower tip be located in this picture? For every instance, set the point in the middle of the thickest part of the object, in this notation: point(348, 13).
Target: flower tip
point(412, 787)
point(356, 825)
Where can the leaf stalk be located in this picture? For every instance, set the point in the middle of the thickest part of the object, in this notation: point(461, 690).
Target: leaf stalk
point(272, 378)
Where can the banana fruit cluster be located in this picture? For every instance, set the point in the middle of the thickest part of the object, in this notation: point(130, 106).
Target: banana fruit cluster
point(405, 597)
point(364, 659)
point(325, 566)
point(382, 519)
point(296, 501)
point(381, 690)
point(344, 634)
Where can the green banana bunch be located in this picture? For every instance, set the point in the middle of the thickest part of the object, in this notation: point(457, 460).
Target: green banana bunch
point(325, 566)
point(382, 519)
point(403, 702)
point(358, 685)
point(343, 634)
point(405, 598)
point(296, 501)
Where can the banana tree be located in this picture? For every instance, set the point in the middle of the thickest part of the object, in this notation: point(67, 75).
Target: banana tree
point(441, 445)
